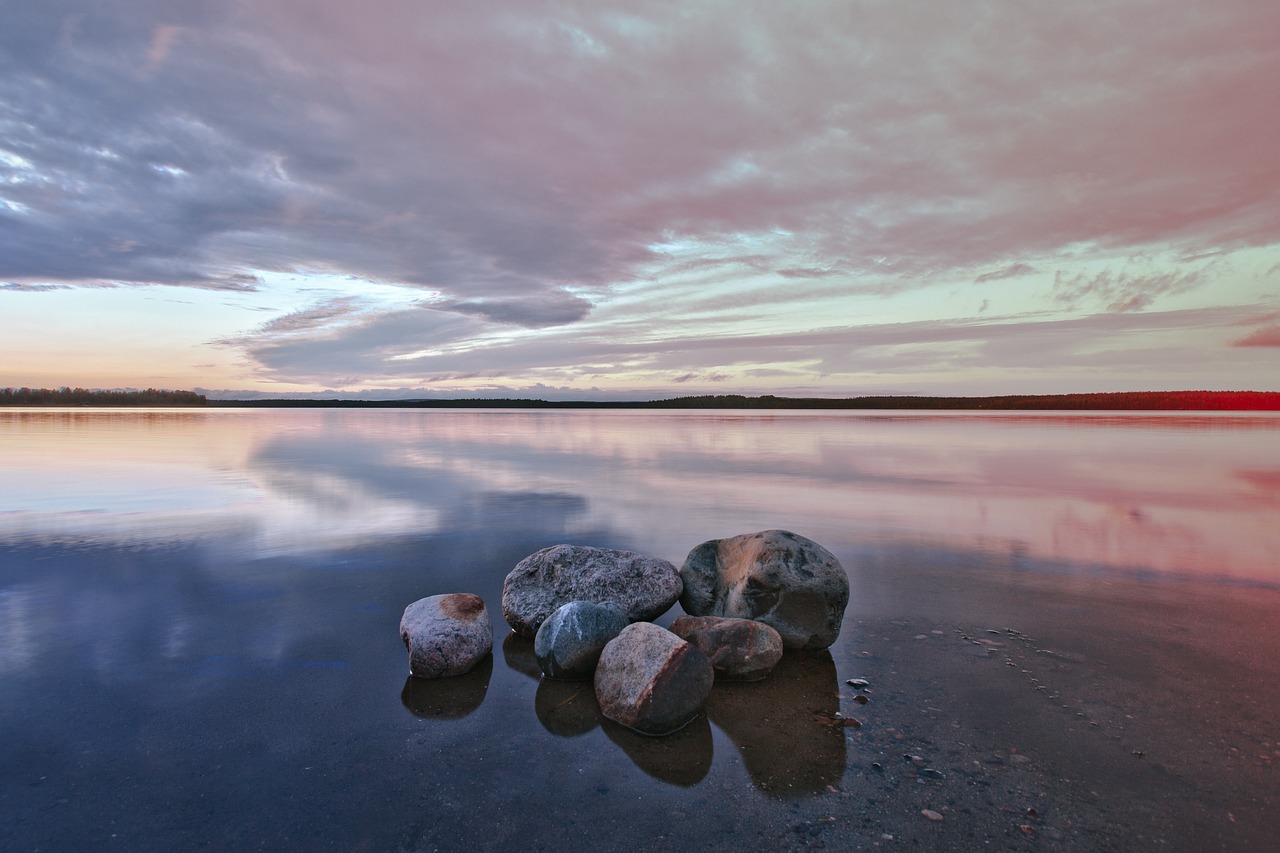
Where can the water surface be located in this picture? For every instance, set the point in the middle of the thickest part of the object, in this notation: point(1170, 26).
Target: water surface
point(1069, 618)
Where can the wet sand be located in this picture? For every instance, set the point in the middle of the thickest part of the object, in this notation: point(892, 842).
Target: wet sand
point(1064, 712)
point(1004, 708)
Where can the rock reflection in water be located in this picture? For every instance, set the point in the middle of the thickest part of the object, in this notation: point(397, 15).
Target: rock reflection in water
point(448, 698)
point(517, 651)
point(567, 708)
point(682, 758)
point(779, 725)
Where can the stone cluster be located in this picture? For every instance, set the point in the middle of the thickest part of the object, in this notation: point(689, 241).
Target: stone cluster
point(590, 610)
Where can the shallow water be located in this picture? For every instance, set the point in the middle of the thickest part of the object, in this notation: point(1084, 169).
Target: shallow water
point(1071, 619)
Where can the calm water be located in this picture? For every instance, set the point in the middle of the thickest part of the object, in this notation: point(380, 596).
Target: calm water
point(198, 630)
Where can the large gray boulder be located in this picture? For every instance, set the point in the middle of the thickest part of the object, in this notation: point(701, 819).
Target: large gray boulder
point(446, 634)
point(650, 680)
point(784, 580)
point(643, 587)
point(739, 649)
point(570, 641)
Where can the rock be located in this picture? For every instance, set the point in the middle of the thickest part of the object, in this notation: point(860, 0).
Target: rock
point(777, 577)
point(446, 634)
point(569, 642)
point(739, 649)
point(643, 587)
point(650, 680)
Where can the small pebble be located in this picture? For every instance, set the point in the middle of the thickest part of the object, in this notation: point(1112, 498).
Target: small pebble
point(930, 773)
point(861, 699)
point(857, 682)
point(931, 814)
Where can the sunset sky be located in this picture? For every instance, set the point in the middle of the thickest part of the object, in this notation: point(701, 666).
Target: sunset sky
point(633, 200)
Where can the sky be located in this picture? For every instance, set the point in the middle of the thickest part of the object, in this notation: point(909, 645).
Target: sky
point(602, 200)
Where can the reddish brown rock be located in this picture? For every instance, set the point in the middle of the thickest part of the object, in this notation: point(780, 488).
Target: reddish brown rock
point(446, 634)
point(650, 680)
point(739, 649)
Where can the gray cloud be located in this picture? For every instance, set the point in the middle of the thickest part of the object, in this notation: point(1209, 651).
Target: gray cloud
point(1122, 292)
point(1011, 271)
point(551, 309)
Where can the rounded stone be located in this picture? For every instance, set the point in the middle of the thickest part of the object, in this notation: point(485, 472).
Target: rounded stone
point(570, 641)
point(788, 582)
point(650, 680)
point(739, 649)
point(446, 634)
point(643, 587)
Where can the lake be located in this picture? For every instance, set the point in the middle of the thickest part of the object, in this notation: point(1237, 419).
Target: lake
point(1069, 623)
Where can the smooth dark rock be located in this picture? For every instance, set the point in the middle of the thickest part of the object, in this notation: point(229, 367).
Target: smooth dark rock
point(570, 641)
point(739, 649)
point(643, 587)
point(650, 680)
point(780, 578)
point(446, 634)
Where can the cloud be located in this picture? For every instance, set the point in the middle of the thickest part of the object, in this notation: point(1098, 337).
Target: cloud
point(1122, 292)
point(1011, 271)
point(807, 272)
point(529, 161)
point(550, 309)
point(1268, 336)
point(18, 287)
point(426, 346)
point(307, 319)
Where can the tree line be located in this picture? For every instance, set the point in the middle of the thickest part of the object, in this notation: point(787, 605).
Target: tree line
point(1236, 401)
point(65, 396)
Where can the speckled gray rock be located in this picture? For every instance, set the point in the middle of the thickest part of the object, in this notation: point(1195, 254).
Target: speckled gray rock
point(569, 642)
point(739, 649)
point(650, 680)
point(446, 634)
point(643, 587)
point(786, 581)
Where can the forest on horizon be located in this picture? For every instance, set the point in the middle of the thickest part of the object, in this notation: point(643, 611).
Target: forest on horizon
point(1108, 401)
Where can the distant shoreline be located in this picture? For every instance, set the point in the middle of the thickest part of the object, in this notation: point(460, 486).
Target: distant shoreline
point(1233, 401)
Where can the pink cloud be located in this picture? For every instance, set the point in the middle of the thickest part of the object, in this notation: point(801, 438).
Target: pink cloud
point(1268, 336)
